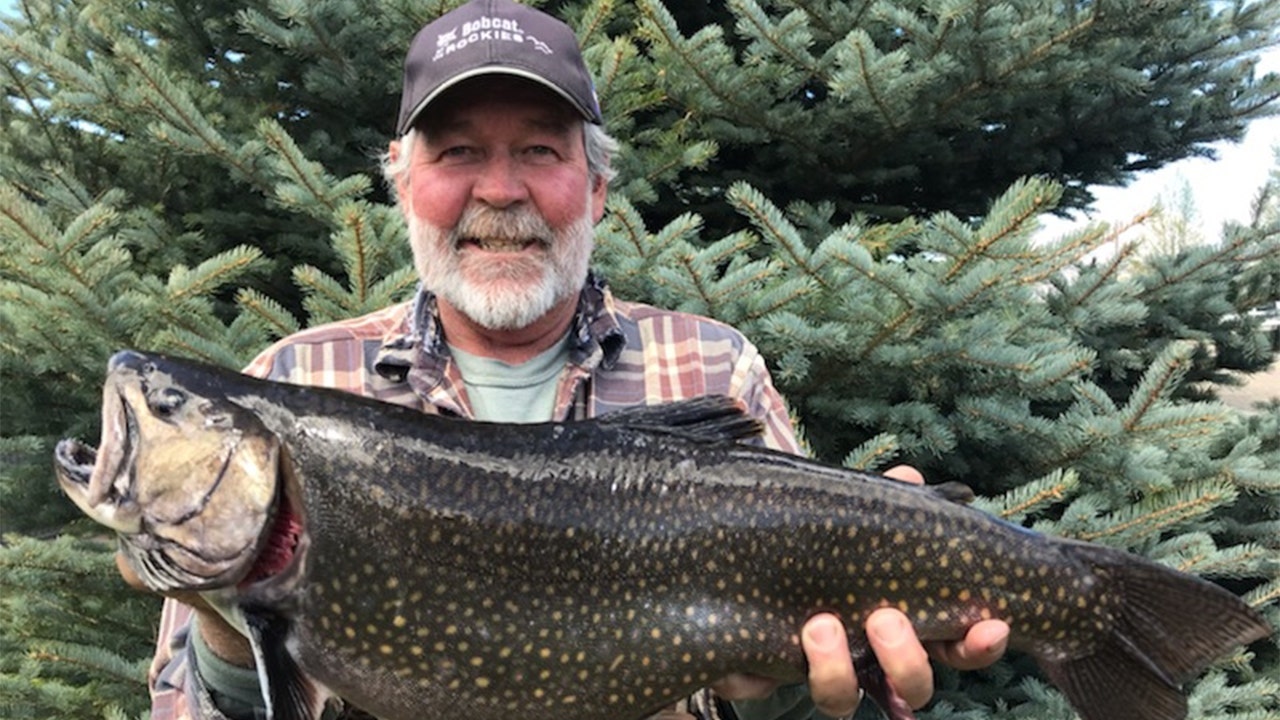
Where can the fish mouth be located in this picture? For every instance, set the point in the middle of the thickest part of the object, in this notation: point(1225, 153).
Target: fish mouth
point(95, 480)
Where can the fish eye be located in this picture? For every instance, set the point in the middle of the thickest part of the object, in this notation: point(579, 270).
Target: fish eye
point(167, 401)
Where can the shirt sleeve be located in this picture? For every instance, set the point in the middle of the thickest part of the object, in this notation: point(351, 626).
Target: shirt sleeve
point(177, 692)
point(754, 386)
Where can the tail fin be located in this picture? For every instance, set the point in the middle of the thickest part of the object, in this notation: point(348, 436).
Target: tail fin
point(1169, 627)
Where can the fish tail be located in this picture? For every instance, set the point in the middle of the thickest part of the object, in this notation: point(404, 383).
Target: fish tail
point(1168, 627)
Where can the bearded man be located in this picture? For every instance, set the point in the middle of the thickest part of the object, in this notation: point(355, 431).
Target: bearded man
point(501, 169)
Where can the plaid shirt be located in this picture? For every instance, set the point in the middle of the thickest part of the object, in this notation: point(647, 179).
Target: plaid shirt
point(622, 355)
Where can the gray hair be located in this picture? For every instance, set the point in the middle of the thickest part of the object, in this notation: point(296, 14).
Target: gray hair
point(597, 143)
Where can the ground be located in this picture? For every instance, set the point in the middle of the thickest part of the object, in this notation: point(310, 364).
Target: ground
point(1259, 387)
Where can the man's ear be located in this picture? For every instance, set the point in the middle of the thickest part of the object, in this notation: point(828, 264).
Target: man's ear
point(599, 192)
point(402, 180)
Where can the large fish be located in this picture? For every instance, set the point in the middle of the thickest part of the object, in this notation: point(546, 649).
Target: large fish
point(423, 567)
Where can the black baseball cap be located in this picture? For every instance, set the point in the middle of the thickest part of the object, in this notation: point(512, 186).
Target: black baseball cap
point(494, 37)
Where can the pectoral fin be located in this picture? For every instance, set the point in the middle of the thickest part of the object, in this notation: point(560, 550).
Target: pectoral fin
point(288, 693)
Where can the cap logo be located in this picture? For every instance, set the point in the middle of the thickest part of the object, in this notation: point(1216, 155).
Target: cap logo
point(485, 29)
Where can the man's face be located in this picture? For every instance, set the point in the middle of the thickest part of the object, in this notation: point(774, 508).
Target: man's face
point(499, 202)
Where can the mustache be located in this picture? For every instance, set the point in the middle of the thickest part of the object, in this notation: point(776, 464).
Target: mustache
point(486, 223)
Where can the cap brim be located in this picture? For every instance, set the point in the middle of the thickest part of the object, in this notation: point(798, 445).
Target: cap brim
point(586, 113)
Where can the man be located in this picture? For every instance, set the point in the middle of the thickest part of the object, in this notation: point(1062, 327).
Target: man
point(501, 170)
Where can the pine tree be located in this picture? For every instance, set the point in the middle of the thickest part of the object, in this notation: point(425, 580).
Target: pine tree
point(839, 180)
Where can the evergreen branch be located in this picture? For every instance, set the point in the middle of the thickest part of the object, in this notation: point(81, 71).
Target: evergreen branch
point(1166, 371)
point(765, 216)
point(109, 670)
point(1264, 595)
point(1226, 563)
point(682, 160)
point(1037, 54)
point(268, 310)
point(980, 289)
point(186, 283)
point(175, 105)
point(1198, 503)
point(750, 12)
point(700, 281)
point(875, 452)
point(357, 268)
point(1046, 496)
point(31, 102)
point(779, 301)
point(594, 20)
point(822, 19)
point(1040, 202)
point(1020, 502)
point(1074, 369)
point(863, 265)
point(1109, 274)
point(1086, 242)
point(1016, 368)
point(610, 71)
point(628, 219)
point(663, 29)
point(301, 171)
point(321, 37)
point(1226, 252)
point(860, 41)
point(886, 332)
point(660, 19)
point(1203, 425)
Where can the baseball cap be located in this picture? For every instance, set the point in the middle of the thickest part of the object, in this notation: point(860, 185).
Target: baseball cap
point(494, 36)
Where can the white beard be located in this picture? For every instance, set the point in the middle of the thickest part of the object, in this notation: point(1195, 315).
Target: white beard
point(511, 293)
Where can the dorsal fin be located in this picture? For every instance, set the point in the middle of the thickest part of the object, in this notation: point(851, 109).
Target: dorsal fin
point(953, 491)
point(710, 419)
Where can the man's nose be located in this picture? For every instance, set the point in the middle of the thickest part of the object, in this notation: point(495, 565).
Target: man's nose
point(501, 183)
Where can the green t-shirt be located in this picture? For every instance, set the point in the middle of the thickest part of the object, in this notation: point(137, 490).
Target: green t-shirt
point(524, 393)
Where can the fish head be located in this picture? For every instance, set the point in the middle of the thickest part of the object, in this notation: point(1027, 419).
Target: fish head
point(186, 478)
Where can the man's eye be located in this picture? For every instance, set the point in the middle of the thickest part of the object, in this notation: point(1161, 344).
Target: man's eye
point(541, 151)
point(457, 151)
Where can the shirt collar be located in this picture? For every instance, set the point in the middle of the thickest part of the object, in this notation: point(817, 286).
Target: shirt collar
point(596, 335)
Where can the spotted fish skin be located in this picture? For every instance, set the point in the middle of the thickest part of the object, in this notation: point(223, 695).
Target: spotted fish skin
point(570, 570)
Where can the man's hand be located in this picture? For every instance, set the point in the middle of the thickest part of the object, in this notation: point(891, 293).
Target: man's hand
point(225, 641)
point(904, 659)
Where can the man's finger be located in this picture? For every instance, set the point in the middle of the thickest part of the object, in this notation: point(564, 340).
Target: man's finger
point(981, 646)
point(905, 473)
point(901, 656)
point(126, 571)
point(832, 683)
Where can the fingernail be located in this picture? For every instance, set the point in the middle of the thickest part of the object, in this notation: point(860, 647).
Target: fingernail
point(823, 631)
point(890, 631)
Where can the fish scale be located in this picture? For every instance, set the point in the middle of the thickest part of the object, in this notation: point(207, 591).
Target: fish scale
point(562, 570)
